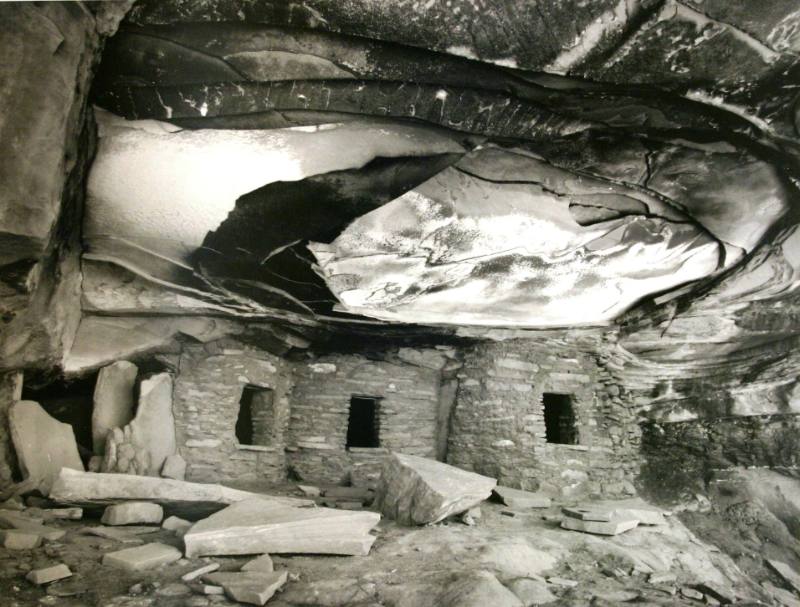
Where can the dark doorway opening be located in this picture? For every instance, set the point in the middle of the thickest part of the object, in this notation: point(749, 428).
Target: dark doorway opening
point(362, 425)
point(256, 420)
point(559, 419)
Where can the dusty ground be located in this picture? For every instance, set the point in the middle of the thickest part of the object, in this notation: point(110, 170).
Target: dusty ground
point(410, 567)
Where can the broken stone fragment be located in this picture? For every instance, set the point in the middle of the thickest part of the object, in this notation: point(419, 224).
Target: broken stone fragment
point(613, 527)
point(560, 581)
point(113, 401)
point(133, 513)
point(44, 445)
point(49, 574)
point(516, 498)
point(262, 563)
point(193, 575)
point(20, 540)
point(588, 514)
point(258, 526)
point(13, 520)
point(252, 588)
point(174, 467)
point(417, 491)
point(142, 557)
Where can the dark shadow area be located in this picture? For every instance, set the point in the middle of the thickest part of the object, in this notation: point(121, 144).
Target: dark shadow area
point(362, 425)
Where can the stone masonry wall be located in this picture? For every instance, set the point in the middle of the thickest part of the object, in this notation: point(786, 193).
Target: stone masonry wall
point(498, 426)
point(407, 414)
point(208, 388)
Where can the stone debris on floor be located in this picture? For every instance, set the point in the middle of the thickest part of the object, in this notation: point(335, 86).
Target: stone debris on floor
point(49, 574)
point(142, 557)
point(254, 588)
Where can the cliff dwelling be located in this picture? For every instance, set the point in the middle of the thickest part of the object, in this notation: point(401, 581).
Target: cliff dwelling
point(348, 303)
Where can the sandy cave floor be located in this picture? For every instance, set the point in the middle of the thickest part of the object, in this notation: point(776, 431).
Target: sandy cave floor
point(407, 567)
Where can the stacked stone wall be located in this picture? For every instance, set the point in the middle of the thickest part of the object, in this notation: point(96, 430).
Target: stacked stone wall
point(498, 426)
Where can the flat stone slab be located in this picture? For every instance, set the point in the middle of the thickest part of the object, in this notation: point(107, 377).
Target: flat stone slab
point(125, 535)
point(49, 574)
point(142, 557)
point(257, 526)
point(113, 401)
point(588, 514)
point(251, 588)
point(417, 491)
point(517, 498)
point(613, 527)
point(72, 514)
point(636, 508)
point(43, 444)
point(133, 513)
point(193, 500)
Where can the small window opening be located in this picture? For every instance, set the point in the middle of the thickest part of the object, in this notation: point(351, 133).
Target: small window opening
point(559, 419)
point(255, 423)
point(362, 425)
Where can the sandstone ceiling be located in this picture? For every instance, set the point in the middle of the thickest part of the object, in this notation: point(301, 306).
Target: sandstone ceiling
point(548, 164)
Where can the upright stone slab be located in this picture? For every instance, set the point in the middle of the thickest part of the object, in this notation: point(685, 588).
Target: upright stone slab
point(113, 401)
point(416, 491)
point(44, 445)
point(154, 424)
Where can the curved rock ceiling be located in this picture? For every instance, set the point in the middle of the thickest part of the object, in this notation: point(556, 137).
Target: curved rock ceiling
point(531, 164)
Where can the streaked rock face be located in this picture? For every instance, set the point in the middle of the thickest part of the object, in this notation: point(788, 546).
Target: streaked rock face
point(492, 242)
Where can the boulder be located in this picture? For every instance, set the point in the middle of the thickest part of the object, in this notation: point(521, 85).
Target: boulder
point(113, 401)
point(194, 500)
point(416, 491)
point(44, 445)
point(142, 557)
point(133, 513)
point(257, 526)
point(252, 588)
point(174, 467)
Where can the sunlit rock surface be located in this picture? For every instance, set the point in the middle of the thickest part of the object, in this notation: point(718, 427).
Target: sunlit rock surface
point(504, 249)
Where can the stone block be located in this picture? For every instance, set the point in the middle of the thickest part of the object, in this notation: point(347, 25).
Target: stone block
point(44, 445)
point(417, 491)
point(133, 513)
point(142, 557)
point(174, 467)
point(49, 574)
point(20, 540)
point(251, 588)
point(113, 401)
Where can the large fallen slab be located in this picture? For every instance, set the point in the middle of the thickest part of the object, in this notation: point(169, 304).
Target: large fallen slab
point(256, 526)
point(43, 444)
point(416, 491)
point(181, 498)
